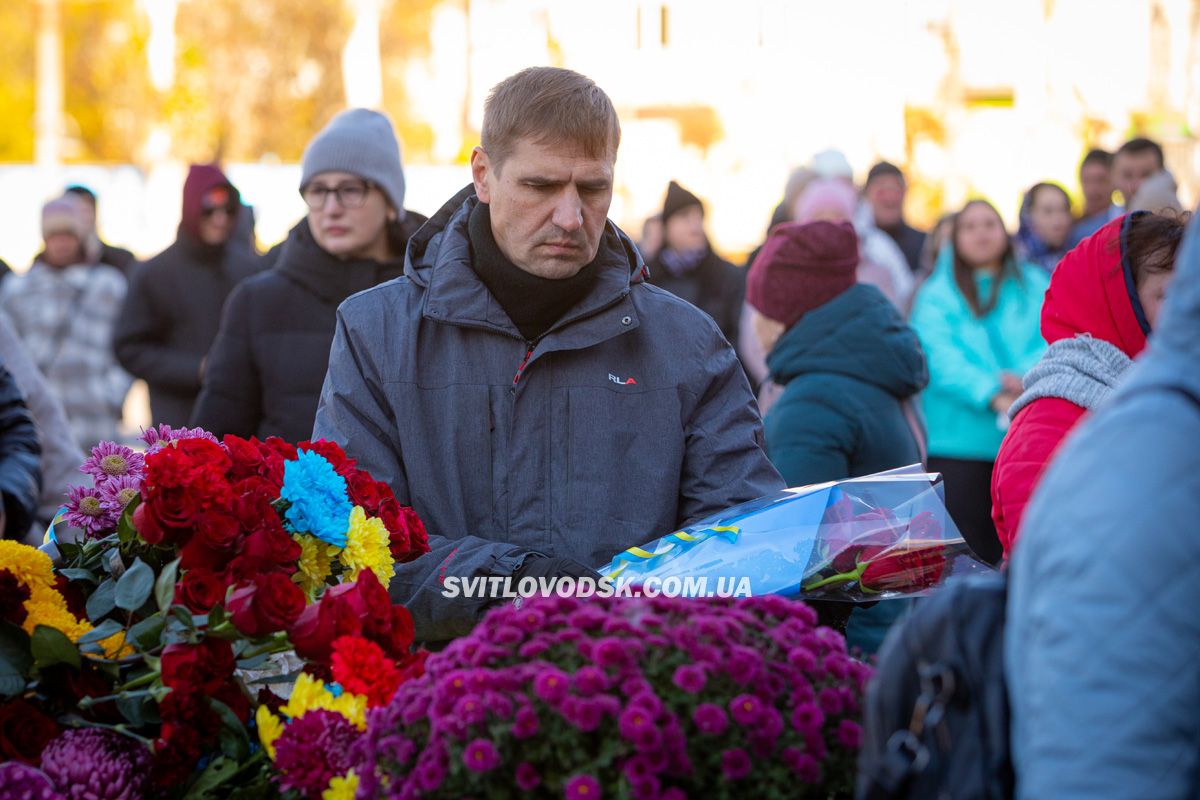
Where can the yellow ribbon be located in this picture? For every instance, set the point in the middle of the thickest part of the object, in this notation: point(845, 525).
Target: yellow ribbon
point(669, 545)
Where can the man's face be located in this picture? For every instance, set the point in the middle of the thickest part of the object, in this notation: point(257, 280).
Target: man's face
point(218, 216)
point(684, 230)
point(548, 204)
point(1130, 169)
point(1096, 180)
point(886, 198)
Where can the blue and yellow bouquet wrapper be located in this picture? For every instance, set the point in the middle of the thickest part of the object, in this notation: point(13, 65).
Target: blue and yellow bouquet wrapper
point(876, 537)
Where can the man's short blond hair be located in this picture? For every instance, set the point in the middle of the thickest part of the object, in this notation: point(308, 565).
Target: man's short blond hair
point(549, 105)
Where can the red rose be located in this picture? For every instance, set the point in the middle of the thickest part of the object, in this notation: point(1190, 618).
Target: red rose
point(406, 532)
point(285, 450)
point(333, 453)
point(197, 668)
point(219, 531)
point(13, 595)
point(364, 491)
point(24, 732)
point(196, 554)
point(313, 632)
point(924, 527)
point(271, 603)
point(145, 523)
point(267, 550)
point(904, 570)
point(200, 590)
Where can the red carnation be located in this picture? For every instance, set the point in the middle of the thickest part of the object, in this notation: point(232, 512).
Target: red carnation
point(333, 453)
point(200, 590)
point(270, 603)
point(361, 667)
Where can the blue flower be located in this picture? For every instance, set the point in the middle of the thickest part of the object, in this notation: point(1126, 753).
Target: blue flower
point(318, 499)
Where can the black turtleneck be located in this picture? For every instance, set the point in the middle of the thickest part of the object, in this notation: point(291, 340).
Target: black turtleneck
point(531, 302)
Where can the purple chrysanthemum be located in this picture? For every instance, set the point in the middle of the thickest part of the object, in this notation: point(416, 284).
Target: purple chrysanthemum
point(804, 765)
point(808, 719)
point(22, 780)
point(314, 749)
point(585, 714)
point(633, 721)
point(481, 756)
point(551, 684)
point(582, 787)
point(158, 438)
point(735, 764)
point(527, 777)
point(97, 763)
point(849, 733)
point(746, 709)
point(710, 719)
point(803, 658)
point(610, 652)
point(525, 726)
point(591, 680)
point(690, 678)
point(830, 700)
point(86, 511)
point(116, 493)
point(112, 460)
point(647, 788)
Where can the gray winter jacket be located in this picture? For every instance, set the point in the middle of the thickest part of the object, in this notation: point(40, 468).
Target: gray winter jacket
point(627, 419)
point(1103, 636)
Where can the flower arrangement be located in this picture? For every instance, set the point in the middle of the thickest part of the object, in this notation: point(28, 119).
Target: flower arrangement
point(127, 666)
point(640, 698)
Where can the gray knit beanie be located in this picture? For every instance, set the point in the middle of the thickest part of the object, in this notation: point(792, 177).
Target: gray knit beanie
point(361, 142)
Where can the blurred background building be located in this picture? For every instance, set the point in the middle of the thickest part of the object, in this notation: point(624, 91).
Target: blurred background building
point(970, 98)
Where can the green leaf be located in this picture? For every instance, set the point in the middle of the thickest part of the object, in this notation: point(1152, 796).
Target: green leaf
point(131, 709)
point(183, 614)
point(102, 601)
point(135, 586)
point(148, 632)
point(79, 575)
point(125, 530)
point(51, 646)
point(164, 587)
point(219, 770)
point(102, 631)
point(15, 659)
point(235, 743)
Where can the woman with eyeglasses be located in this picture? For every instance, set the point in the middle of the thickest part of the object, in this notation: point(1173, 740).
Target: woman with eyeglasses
point(264, 373)
point(173, 307)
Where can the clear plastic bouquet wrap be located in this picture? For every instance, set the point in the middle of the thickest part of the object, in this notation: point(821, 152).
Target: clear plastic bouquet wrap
point(862, 539)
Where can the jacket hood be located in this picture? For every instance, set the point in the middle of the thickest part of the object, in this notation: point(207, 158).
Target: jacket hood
point(1092, 292)
point(858, 334)
point(305, 262)
point(438, 259)
point(1083, 371)
point(201, 179)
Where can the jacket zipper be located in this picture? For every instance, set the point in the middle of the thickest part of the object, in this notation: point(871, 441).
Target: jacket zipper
point(528, 354)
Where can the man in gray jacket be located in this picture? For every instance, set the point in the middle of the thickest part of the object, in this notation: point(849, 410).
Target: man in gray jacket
point(538, 403)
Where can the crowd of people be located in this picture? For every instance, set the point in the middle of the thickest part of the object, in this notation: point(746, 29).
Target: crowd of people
point(545, 392)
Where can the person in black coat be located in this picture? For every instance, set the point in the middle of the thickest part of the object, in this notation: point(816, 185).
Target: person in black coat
point(687, 267)
point(268, 363)
point(20, 454)
point(173, 308)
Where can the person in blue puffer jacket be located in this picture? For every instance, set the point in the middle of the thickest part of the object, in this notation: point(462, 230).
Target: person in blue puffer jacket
point(978, 317)
point(1103, 636)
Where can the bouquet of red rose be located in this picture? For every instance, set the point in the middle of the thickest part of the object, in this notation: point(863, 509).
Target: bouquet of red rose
point(203, 562)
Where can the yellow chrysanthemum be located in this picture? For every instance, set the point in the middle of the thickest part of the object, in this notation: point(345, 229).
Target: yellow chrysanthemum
point(343, 787)
point(115, 646)
point(29, 565)
point(270, 728)
point(310, 694)
point(316, 562)
point(54, 615)
point(367, 547)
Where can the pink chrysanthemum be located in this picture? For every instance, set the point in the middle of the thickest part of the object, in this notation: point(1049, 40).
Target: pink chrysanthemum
point(112, 460)
point(158, 438)
point(313, 750)
point(116, 493)
point(85, 510)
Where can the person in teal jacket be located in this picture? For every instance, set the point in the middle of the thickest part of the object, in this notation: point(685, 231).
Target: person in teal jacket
point(978, 317)
point(850, 368)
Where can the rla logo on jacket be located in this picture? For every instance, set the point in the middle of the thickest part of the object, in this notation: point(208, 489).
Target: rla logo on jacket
point(618, 381)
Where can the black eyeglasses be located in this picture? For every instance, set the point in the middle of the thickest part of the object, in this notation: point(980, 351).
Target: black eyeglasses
point(349, 194)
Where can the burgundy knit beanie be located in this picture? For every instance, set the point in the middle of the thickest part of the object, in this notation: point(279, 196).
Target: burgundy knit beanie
point(802, 267)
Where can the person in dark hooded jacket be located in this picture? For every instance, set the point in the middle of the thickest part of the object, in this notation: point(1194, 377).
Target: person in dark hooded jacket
point(1102, 303)
point(20, 471)
point(267, 365)
point(687, 267)
point(850, 368)
point(174, 303)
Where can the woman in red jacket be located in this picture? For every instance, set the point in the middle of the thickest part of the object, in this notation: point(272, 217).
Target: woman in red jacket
point(1102, 303)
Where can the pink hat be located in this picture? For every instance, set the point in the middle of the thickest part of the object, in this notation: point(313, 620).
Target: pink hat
point(824, 195)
